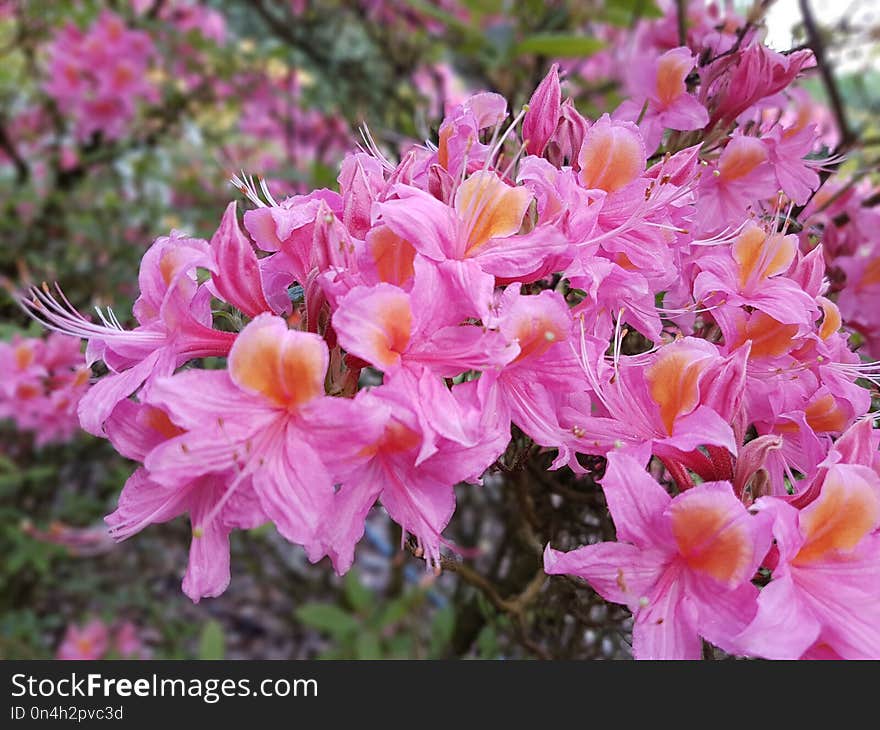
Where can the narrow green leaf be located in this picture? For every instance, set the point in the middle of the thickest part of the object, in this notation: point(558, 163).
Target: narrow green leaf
point(367, 646)
point(328, 618)
point(441, 629)
point(212, 643)
point(359, 597)
point(559, 45)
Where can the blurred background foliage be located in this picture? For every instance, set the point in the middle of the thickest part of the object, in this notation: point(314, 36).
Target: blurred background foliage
point(281, 88)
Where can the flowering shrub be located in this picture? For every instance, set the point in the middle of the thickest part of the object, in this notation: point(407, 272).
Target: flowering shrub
point(643, 294)
point(43, 381)
point(96, 640)
point(96, 77)
point(600, 345)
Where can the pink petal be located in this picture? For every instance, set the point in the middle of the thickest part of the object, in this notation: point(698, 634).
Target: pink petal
point(237, 276)
point(207, 573)
point(421, 219)
point(376, 324)
point(784, 627)
point(100, 400)
point(635, 500)
point(665, 628)
point(296, 492)
point(619, 572)
point(143, 502)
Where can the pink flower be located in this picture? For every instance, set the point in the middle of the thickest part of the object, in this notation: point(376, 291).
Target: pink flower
point(742, 178)
point(738, 81)
point(673, 401)
point(545, 374)
point(609, 287)
point(658, 86)
point(825, 587)
point(216, 504)
point(43, 383)
point(682, 565)
point(748, 274)
point(86, 642)
point(128, 642)
point(481, 228)
point(174, 315)
point(267, 421)
point(787, 149)
point(459, 148)
point(391, 328)
point(97, 77)
point(411, 467)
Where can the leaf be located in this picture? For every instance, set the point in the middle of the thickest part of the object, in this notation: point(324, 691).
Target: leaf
point(559, 45)
point(393, 612)
point(622, 12)
point(359, 597)
point(328, 618)
point(212, 643)
point(441, 629)
point(367, 646)
point(400, 647)
point(487, 643)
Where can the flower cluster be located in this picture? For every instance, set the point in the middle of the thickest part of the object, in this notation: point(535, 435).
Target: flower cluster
point(624, 288)
point(842, 214)
point(43, 381)
point(98, 76)
point(96, 640)
point(282, 134)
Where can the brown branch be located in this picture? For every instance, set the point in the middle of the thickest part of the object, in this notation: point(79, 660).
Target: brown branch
point(681, 14)
point(817, 45)
point(740, 37)
point(154, 11)
point(515, 606)
point(848, 138)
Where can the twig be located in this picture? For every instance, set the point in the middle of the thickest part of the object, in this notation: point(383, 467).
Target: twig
point(814, 40)
point(681, 13)
point(515, 606)
point(848, 138)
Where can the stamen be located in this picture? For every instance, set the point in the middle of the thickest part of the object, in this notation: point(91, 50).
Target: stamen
point(248, 188)
point(64, 318)
point(372, 148)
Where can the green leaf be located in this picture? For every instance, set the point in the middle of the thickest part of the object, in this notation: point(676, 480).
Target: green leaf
point(393, 612)
point(328, 618)
point(367, 646)
point(400, 647)
point(212, 643)
point(359, 597)
point(441, 629)
point(559, 45)
point(487, 643)
point(622, 12)
point(397, 609)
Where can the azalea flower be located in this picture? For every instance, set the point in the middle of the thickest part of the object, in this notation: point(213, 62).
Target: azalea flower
point(823, 595)
point(267, 421)
point(682, 565)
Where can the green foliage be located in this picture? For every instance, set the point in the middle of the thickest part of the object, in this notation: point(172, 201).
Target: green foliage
point(329, 619)
point(368, 626)
point(623, 13)
point(558, 45)
point(212, 642)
